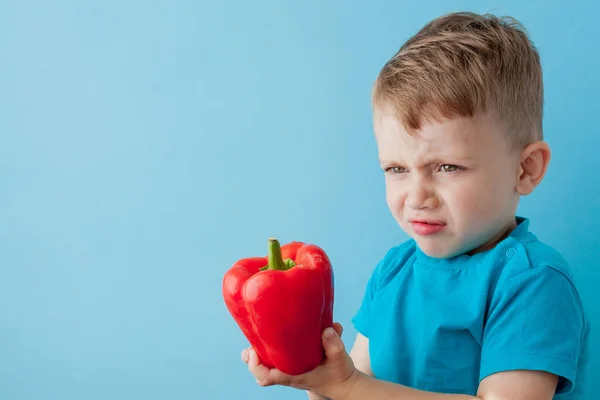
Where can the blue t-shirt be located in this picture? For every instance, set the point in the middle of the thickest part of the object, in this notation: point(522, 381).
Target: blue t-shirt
point(442, 325)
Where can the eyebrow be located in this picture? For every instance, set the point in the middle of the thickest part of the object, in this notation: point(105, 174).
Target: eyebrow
point(432, 160)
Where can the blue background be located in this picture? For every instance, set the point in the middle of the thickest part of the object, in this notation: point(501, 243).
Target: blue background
point(146, 146)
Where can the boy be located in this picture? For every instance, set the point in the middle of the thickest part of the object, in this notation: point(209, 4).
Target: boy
point(473, 306)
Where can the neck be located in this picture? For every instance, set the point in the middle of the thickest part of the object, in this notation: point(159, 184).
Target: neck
point(497, 238)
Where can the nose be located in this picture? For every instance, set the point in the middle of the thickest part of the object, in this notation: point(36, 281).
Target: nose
point(421, 196)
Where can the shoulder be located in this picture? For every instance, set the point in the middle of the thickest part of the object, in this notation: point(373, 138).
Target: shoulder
point(534, 317)
point(525, 253)
point(532, 269)
point(541, 255)
point(385, 271)
point(394, 260)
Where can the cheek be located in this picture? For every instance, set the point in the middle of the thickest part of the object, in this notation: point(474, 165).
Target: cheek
point(474, 199)
point(393, 195)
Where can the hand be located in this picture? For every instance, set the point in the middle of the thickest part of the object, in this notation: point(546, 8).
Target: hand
point(333, 378)
point(314, 396)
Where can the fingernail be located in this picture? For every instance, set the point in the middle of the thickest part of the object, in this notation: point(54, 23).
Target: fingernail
point(329, 332)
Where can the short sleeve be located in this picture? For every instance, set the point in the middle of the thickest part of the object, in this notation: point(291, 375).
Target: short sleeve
point(535, 322)
point(362, 318)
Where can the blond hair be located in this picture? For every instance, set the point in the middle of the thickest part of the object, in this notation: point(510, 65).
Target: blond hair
point(462, 64)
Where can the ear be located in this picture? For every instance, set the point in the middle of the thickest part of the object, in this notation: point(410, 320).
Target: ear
point(534, 163)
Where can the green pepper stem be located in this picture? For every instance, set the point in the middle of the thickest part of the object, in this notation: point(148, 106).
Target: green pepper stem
point(275, 258)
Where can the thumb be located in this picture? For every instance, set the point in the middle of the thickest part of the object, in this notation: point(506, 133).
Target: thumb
point(333, 344)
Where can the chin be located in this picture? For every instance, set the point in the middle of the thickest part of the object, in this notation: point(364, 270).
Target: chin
point(436, 251)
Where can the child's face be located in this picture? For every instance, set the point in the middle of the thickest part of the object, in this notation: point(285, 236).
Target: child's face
point(452, 185)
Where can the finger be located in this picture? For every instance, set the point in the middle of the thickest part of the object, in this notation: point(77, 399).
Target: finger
point(264, 375)
point(333, 344)
point(338, 328)
point(258, 370)
point(244, 355)
point(276, 377)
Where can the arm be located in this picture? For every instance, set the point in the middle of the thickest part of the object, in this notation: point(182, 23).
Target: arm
point(511, 385)
point(360, 355)
point(339, 379)
point(518, 319)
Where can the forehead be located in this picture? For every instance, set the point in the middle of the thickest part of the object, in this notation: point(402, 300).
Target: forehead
point(457, 137)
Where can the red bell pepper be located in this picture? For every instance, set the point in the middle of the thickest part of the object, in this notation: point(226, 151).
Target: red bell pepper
point(282, 303)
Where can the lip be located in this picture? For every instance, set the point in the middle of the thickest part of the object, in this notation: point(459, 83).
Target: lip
point(426, 227)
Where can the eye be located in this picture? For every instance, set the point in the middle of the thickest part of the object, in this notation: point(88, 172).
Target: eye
point(449, 168)
point(395, 170)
